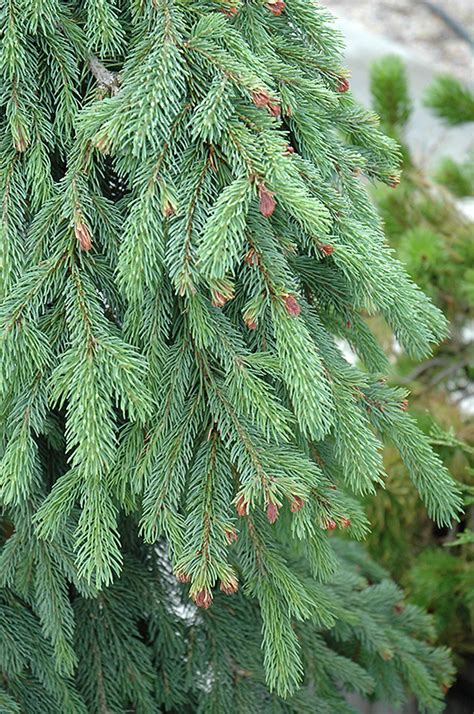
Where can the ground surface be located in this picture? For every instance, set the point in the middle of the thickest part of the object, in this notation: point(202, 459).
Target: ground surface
point(412, 24)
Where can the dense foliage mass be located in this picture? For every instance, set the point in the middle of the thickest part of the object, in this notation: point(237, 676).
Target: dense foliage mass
point(185, 234)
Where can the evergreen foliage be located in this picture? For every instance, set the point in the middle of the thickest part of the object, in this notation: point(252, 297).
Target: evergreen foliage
point(184, 238)
point(436, 243)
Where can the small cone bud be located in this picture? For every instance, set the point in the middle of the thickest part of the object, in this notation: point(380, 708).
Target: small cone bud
point(272, 512)
point(276, 6)
point(83, 236)
point(267, 202)
point(348, 324)
point(297, 504)
point(404, 405)
point(230, 587)
point(251, 324)
point(292, 306)
point(182, 577)
point(386, 655)
point(251, 257)
point(203, 599)
point(342, 85)
point(242, 506)
point(330, 525)
point(231, 535)
point(274, 110)
point(260, 98)
point(345, 522)
point(289, 150)
point(398, 609)
point(326, 249)
point(218, 299)
point(394, 181)
point(168, 209)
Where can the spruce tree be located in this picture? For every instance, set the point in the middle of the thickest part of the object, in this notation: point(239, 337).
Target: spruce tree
point(186, 238)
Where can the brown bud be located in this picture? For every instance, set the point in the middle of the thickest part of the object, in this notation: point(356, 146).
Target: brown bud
point(230, 587)
point(182, 577)
point(398, 609)
point(276, 6)
point(297, 504)
point(251, 324)
point(261, 98)
point(168, 209)
point(203, 599)
point(231, 11)
point(404, 405)
point(83, 236)
point(342, 85)
point(289, 150)
point(326, 249)
point(242, 506)
point(292, 306)
point(345, 522)
point(267, 201)
point(251, 257)
point(274, 109)
point(231, 535)
point(330, 525)
point(348, 324)
point(394, 181)
point(272, 512)
point(218, 299)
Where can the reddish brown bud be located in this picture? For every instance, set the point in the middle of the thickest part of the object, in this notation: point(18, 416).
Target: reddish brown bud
point(330, 525)
point(297, 504)
point(272, 512)
point(251, 257)
point(345, 522)
point(83, 236)
point(326, 249)
point(242, 506)
point(394, 181)
point(348, 324)
point(261, 98)
point(251, 324)
point(203, 599)
point(274, 109)
point(231, 11)
point(292, 306)
point(276, 6)
point(168, 209)
point(267, 201)
point(289, 150)
point(404, 405)
point(342, 85)
point(231, 535)
point(218, 299)
point(182, 577)
point(230, 587)
point(398, 609)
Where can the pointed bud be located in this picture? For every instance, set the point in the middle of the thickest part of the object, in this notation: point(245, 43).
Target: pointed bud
point(404, 405)
point(251, 324)
point(242, 506)
point(342, 85)
point(272, 512)
point(330, 525)
point(230, 586)
point(276, 6)
point(394, 181)
point(83, 236)
point(231, 535)
point(218, 299)
point(274, 110)
point(182, 577)
point(251, 257)
point(292, 306)
point(261, 98)
point(326, 249)
point(168, 209)
point(203, 599)
point(267, 201)
point(297, 504)
point(289, 150)
point(345, 522)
